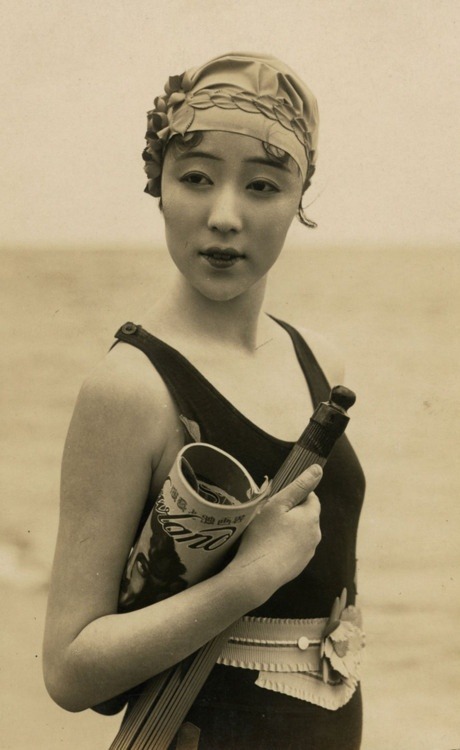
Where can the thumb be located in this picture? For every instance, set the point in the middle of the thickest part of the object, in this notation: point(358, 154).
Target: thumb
point(298, 490)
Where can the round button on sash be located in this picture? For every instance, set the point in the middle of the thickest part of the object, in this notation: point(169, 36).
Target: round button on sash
point(303, 643)
point(129, 328)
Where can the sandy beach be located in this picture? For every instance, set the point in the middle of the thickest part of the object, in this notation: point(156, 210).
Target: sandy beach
point(394, 314)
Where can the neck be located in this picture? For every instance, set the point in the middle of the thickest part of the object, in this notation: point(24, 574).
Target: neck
point(236, 322)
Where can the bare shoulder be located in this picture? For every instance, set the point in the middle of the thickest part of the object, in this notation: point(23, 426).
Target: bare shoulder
point(126, 391)
point(124, 424)
point(328, 356)
point(127, 371)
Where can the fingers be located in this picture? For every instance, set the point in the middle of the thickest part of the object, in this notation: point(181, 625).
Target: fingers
point(296, 492)
point(313, 502)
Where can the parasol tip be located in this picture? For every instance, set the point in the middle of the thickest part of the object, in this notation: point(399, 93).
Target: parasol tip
point(342, 397)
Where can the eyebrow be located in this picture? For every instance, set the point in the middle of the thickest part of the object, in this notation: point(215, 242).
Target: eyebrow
point(195, 153)
point(267, 163)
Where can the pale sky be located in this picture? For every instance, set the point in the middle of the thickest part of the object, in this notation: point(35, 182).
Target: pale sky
point(78, 78)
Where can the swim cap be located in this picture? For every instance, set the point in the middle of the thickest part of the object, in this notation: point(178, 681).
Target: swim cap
point(254, 95)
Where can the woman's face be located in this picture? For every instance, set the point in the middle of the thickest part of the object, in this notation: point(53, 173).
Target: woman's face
point(227, 207)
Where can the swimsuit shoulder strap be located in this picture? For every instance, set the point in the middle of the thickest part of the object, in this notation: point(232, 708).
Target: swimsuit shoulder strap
point(314, 375)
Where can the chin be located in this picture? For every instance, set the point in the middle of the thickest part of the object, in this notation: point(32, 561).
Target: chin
point(222, 292)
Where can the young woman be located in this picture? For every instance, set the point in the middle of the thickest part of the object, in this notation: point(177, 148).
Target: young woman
point(231, 148)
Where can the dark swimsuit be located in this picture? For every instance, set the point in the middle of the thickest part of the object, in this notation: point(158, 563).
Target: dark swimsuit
point(230, 710)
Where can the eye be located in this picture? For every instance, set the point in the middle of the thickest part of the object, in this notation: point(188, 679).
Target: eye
point(142, 568)
point(263, 186)
point(196, 178)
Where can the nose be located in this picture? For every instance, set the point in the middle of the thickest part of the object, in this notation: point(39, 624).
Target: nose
point(225, 212)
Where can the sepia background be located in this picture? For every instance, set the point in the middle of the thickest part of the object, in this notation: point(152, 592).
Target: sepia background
point(82, 252)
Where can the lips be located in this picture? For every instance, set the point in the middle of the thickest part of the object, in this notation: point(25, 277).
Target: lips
point(221, 253)
point(221, 257)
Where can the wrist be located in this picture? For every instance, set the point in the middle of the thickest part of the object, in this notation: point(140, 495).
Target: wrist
point(246, 585)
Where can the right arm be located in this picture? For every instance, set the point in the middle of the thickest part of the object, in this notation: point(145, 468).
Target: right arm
point(124, 430)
